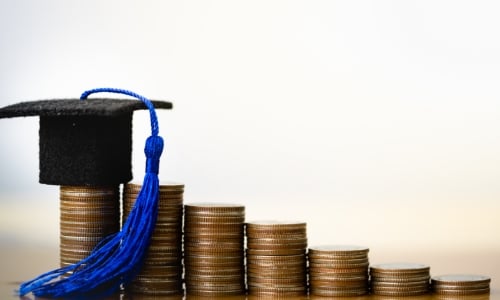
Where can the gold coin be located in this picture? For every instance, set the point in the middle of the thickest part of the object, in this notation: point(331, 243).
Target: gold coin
point(331, 292)
point(339, 284)
point(270, 291)
point(421, 287)
point(83, 232)
point(275, 226)
point(213, 263)
point(220, 228)
point(336, 261)
point(213, 207)
point(339, 250)
point(194, 291)
point(91, 220)
point(277, 258)
point(401, 280)
point(279, 236)
point(88, 190)
point(193, 263)
point(106, 204)
point(236, 278)
point(211, 244)
point(399, 268)
point(207, 285)
point(322, 270)
point(217, 219)
point(400, 285)
point(276, 265)
point(275, 252)
point(461, 280)
point(338, 265)
point(157, 272)
point(86, 224)
point(275, 273)
point(278, 247)
point(79, 241)
point(468, 292)
point(152, 290)
point(279, 241)
point(216, 271)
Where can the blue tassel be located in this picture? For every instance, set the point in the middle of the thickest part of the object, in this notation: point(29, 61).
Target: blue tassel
point(117, 258)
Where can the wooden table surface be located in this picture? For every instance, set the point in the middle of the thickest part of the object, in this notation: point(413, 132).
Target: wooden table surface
point(23, 263)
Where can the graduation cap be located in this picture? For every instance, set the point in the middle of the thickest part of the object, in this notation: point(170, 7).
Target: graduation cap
point(88, 142)
point(83, 143)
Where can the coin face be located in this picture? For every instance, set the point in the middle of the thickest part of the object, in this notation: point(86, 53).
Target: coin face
point(399, 267)
point(459, 279)
point(276, 223)
point(275, 227)
point(214, 209)
point(339, 248)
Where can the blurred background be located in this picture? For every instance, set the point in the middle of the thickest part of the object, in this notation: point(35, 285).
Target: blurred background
point(376, 122)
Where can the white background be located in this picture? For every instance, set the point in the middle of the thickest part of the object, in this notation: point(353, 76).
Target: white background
point(376, 122)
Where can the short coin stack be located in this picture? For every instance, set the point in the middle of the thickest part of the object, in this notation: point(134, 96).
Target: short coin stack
point(88, 214)
point(399, 279)
point(161, 273)
point(338, 270)
point(214, 249)
point(460, 285)
point(276, 258)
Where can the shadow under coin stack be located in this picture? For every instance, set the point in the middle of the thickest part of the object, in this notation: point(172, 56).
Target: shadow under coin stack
point(161, 273)
point(87, 215)
point(399, 279)
point(460, 285)
point(214, 249)
point(338, 271)
point(276, 259)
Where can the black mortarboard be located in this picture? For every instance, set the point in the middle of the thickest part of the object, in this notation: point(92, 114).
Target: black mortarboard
point(83, 142)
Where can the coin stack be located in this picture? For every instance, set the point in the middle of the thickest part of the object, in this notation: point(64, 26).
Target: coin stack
point(276, 258)
point(338, 270)
point(399, 279)
point(87, 214)
point(161, 273)
point(214, 249)
point(460, 285)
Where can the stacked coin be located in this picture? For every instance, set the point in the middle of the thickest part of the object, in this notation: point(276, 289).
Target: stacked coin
point(161, 273)
point(338, 270)
point(399, 279)
point(276, 258)
point(460, 285)
point(214, 249)
point(87, 214)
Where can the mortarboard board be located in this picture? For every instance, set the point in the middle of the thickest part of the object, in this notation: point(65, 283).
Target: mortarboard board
point(88, 143)
point(83, 143)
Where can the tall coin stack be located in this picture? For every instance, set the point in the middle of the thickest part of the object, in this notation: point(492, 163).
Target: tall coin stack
point(460, 285)
point(214, 249)
point(399, 279)
point(87, 214)
point(338, 270)
point(161, 273)
point(276, 259)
